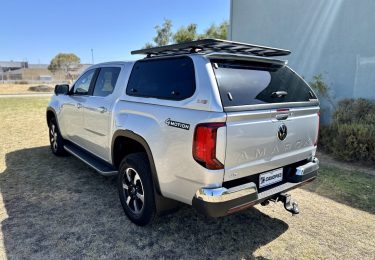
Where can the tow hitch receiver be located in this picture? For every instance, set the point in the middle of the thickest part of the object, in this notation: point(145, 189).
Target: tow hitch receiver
point(289, 204)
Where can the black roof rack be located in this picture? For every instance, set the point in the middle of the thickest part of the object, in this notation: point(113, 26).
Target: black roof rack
point(206, 46)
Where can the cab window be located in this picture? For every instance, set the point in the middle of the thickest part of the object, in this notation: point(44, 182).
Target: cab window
point(82, 86)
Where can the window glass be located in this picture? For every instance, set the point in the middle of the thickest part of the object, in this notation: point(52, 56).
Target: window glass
point(171, 78)
point(106, 81)
point(251, 84)
point(81, 87)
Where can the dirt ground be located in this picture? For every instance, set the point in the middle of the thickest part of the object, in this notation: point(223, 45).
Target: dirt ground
point(329, 160)
point(8, 88)
point(58, 208)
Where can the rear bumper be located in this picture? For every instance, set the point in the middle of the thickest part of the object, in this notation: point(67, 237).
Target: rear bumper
point(221, 201)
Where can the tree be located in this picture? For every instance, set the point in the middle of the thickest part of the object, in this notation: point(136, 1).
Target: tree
point(186, 34)
point(65, 62)
point(148, 45)
point(164, 34)
point(216, 32)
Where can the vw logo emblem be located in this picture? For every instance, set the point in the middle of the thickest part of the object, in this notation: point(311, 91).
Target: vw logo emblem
point(283, 132)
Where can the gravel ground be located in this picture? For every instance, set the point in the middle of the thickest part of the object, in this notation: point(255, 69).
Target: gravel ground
point(54, 208)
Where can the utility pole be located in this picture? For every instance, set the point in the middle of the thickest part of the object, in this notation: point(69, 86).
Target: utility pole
point(92, 56)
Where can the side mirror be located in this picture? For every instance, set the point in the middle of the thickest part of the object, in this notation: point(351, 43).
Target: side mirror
point(62, 89)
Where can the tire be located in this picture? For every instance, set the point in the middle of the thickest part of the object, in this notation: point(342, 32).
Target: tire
point(55, 139)
point(136, 189)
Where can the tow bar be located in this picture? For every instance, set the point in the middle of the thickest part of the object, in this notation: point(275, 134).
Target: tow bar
point(289, 204)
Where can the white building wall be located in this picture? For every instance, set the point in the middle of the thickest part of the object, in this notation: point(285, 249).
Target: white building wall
point(335, 38)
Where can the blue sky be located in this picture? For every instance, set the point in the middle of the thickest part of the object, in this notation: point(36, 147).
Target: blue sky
point(37, 30)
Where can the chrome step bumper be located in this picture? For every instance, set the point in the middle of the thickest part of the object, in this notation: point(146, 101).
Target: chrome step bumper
point(216, 202)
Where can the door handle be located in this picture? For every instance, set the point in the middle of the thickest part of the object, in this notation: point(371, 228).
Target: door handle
point(102, 109)
point(282, 116)
point(79, 105)
point(279, 94)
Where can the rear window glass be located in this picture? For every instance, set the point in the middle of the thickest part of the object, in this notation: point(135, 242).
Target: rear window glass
point(171, 78)
point(256, 83)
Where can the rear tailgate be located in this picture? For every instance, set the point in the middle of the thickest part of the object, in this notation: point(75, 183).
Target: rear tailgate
point(254, 146)
point(272, 116)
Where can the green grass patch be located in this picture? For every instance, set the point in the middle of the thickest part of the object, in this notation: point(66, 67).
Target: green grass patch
point(353, 188)
point(17, 104)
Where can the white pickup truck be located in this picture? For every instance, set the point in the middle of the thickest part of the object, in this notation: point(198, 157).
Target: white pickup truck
point(215, 124)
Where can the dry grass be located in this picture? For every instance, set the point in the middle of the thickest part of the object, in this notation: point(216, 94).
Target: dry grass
point(54, 208)
point(9, 88)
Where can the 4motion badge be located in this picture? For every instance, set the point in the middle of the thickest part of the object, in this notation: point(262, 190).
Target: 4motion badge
point(172, 123)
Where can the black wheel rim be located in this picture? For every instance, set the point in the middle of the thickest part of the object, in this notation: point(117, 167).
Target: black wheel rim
point(133, 191)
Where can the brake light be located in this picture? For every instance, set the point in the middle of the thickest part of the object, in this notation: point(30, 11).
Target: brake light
point(204, 145)
point(282, 110)
point(317, 135)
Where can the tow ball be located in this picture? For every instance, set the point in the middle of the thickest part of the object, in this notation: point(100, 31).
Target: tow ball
point(289, 204)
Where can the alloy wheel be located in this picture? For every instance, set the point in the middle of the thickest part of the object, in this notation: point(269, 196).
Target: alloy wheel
point(133, 189)
point(53, 137)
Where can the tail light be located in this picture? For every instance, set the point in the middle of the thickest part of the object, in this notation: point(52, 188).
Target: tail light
point(317, 135)
point(204, 145)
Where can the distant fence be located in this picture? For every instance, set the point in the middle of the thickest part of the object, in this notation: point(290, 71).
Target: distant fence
point(54, 81)
point(31, 79)
point(36, 75)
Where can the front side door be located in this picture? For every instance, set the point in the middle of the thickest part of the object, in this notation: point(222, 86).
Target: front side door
point(97, 112)
point(72, 110)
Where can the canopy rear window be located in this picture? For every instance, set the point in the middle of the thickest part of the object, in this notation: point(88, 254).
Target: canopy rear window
point(254, 83)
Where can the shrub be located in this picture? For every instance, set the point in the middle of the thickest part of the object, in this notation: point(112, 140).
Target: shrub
point(351, 135)
point(354, 142)
point(352, 111)
point(326, 135)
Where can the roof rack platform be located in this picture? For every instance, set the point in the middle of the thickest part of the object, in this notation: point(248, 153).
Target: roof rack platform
point(206, 46)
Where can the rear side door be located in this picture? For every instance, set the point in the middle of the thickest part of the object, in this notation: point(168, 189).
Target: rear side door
point(272, 117)
point(72, 110)
point(97, 111)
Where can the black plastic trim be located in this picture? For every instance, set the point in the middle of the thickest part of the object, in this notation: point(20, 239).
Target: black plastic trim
point(90, 159)
point(299, 178)
point(142, 141)
point(93, 81)
point(51, 109)
point(219, 209)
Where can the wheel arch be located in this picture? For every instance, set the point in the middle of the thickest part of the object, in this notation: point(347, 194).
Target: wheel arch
point(136, 143)
point(50, 113)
